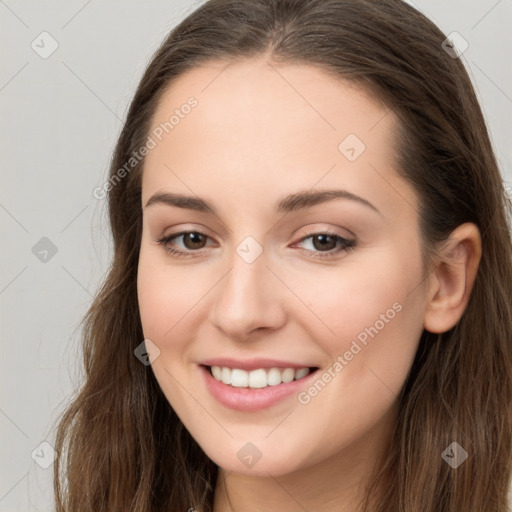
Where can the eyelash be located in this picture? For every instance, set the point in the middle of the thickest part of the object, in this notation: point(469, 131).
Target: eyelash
point(345, 244)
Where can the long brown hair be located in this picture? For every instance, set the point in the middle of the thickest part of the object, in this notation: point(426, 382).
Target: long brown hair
point(122, 447)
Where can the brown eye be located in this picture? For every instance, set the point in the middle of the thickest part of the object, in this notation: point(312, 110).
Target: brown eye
point(325, 245)
point(194, 240)
point(324, 242)
point(186, 243)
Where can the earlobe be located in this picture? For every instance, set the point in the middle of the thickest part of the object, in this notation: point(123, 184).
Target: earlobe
point(452, 279)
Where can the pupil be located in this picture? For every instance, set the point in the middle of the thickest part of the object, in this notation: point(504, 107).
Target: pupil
point(327, 242)
point(195, 238)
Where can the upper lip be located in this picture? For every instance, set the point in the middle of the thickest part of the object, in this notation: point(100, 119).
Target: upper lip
point(253, 364)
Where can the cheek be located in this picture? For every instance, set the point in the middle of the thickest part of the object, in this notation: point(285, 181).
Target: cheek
point(165, 294)
point(347, 299)
point(368, 316)
point(173, 304)
point(370, 324)
point(168, 300)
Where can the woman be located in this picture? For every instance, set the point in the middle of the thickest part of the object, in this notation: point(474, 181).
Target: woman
point(309, 302)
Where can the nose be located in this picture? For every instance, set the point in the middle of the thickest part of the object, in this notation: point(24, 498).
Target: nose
point(248, 298)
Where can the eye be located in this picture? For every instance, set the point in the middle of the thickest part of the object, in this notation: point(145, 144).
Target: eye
point(191, 241)
point(325, 245)
point(321, 245)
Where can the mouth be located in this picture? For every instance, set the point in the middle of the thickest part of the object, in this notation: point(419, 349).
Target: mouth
point(258, 378)
point(255, 389)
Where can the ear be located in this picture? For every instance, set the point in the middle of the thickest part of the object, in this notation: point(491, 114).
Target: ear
point(452, 279)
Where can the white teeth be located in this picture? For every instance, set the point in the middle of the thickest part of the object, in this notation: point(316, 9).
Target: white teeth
point(226, 376)
point(288, 375)
point(274, 377)
point(217, 372)
point(239, 378)
point(259, 378)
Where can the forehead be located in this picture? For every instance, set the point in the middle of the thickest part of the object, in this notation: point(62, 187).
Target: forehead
point(257, 93)
point(256, 121)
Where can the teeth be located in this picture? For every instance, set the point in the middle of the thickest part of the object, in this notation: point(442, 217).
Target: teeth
point(301, 373)
point(273, 377)
point(217, 372)
point(257, 378)
point(288, 375)
point(225, 376)
point(239, 378)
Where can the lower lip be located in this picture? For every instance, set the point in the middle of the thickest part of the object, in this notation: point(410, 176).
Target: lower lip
point(252, 399)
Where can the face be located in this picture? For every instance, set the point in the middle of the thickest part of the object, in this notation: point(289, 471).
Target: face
point(281, 252)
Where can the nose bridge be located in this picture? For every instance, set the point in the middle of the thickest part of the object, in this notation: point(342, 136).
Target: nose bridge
point(246, 299)
point(246, 280)
point(244, 285)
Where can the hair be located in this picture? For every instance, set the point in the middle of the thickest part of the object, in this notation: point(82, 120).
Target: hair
point(121, 446)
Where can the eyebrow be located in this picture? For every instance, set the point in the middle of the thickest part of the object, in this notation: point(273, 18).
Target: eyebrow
point(293, 202)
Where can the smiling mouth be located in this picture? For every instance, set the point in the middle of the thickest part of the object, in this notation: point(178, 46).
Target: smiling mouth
point(258, 378)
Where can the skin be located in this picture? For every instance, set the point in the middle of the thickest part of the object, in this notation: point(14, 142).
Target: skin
point(260, 132)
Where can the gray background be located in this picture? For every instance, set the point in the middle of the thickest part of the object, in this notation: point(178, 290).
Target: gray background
point(60, 119)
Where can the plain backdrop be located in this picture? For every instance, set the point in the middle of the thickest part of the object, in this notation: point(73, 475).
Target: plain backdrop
point(60, 117)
